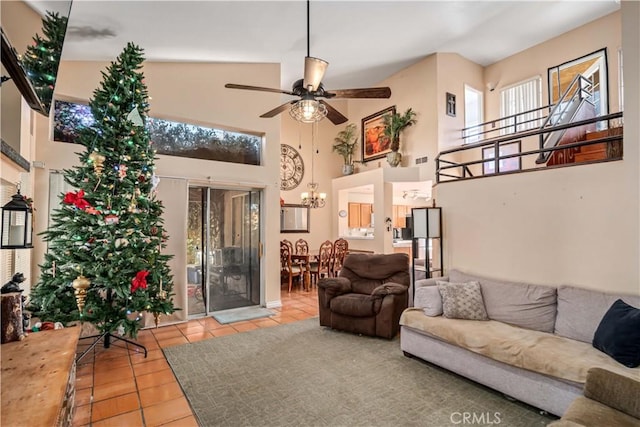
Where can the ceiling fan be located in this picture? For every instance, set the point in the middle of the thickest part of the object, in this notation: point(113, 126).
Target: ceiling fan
point(308, 108)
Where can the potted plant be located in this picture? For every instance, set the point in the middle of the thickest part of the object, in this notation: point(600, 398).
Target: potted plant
point(394, 124)
point(345, 144)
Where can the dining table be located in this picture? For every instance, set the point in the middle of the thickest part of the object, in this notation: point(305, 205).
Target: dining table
point(304, 261)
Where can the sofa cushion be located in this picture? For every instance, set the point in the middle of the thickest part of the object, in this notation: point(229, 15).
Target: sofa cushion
point(462, 300)
point(520, 304)
point(618, 334)
point(429, 300)
point(580, 311)
point(523, 348)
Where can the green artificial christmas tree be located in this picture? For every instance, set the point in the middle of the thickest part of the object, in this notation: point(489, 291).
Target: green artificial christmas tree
point(110, 230)
point(42, 58)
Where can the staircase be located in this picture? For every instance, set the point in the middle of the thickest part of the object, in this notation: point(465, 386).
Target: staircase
point(574, 105)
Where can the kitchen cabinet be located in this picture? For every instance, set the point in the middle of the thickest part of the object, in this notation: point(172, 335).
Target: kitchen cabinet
point(399, 215)
point(360, 215)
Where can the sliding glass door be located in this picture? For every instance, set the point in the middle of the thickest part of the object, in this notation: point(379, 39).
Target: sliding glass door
point(223, 249)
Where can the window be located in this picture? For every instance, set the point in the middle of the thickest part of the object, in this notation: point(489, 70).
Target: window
point(169, 137)
point(516, 104)
point(620, 80)
point(473, 114)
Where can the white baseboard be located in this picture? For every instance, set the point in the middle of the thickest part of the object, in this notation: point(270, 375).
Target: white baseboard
point(274, 304)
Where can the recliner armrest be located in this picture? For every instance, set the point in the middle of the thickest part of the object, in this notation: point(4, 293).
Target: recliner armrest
point(334, 286)
point(389, 288)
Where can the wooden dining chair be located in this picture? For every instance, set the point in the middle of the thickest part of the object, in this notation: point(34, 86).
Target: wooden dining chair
point(323, 266)
point(289, 244)
point(340, 249)
point(287, 268)
point(302, 247)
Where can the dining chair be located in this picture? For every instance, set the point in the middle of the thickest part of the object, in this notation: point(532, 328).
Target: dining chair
point(287, 268)
point(289, 244)
point(340, 249)
point(302, 247)
point(324, 258)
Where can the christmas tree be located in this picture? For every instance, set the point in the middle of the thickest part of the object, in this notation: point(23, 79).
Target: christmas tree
point(109, 230)
point(42, 58)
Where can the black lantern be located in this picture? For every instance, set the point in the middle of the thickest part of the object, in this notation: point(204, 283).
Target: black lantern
point(17, 220)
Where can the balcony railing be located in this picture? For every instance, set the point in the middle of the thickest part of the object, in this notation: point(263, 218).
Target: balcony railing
point(490, 157)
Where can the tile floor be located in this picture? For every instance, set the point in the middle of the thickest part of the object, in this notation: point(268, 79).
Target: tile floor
point(119, 387)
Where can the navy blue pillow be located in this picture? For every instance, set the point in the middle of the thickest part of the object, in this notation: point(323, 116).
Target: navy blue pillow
point(618, 334)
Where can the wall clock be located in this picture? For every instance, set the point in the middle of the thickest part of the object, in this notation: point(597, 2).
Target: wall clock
point(291, 167)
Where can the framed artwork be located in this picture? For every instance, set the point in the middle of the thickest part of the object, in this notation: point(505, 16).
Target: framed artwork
point(451, 104)
point(504, 165)
point(375, 144)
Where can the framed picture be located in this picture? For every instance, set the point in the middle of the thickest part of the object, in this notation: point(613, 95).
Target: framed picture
point(451, 104)
point(375, 144)
point(504, 165)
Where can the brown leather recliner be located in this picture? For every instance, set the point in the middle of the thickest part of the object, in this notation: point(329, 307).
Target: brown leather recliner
point(368, 296)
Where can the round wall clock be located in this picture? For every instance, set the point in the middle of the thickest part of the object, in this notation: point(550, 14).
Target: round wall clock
point(291, 167)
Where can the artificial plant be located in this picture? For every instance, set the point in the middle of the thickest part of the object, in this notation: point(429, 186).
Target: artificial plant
point(395, 123)
point(345, 143)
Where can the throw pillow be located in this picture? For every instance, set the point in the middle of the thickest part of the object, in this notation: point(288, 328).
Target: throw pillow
point(462, 301)
point(428, 298)
point(618, 334)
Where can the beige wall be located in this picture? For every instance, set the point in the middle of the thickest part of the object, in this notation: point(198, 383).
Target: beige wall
point(631, 49)
point(601, 33)
point(577, 225)
point(193, 93)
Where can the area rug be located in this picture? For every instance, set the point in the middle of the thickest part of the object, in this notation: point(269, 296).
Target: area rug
point(240, 314)
point(302, 374)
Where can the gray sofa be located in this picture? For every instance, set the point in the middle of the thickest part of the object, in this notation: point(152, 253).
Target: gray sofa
point(535, 348)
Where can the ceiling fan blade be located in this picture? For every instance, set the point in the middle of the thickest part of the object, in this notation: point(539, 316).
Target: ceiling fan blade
point(277, 110)
point(258, 88)
point(314, 69)
point(369, 92)
point(334, 115)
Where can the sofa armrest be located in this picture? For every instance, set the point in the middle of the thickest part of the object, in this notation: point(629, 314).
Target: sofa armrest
point(390, 288)
point(614, 390)
point(430, 282)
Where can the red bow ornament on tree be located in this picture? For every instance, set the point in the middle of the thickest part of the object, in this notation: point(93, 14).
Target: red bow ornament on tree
point(76, 199)
point(140, 281)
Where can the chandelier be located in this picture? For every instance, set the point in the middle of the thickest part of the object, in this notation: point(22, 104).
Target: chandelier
point(312, 198)
point(308, 111)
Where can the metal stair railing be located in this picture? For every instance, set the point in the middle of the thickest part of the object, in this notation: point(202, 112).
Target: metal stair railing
point(445, 167)
point(580, 90)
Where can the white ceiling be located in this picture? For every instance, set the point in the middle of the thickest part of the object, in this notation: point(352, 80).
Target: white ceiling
point(363, 41)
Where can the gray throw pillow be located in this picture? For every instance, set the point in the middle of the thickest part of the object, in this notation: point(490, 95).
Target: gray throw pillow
point(429, 300)
point(462, 301)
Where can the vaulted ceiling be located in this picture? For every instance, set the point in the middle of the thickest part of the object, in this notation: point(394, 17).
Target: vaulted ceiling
point(363, 41)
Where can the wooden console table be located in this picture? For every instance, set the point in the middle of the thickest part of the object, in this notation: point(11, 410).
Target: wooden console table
point(38, 379)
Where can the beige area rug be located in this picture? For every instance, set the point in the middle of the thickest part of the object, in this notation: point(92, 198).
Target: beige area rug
point(302, 374)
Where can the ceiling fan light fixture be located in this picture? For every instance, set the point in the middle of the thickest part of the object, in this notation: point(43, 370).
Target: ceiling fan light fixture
point(308, 111)
point(314, 69)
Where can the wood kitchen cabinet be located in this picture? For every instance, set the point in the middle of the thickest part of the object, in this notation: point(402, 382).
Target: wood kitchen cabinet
point(360, 215)
point(399, 215)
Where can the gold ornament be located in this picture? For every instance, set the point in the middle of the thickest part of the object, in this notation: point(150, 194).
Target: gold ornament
point(156, 318)
point(98, 162)
point(162, 294)
point(81, 284)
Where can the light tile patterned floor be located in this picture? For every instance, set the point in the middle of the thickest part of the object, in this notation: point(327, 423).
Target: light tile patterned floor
point(119, 387)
